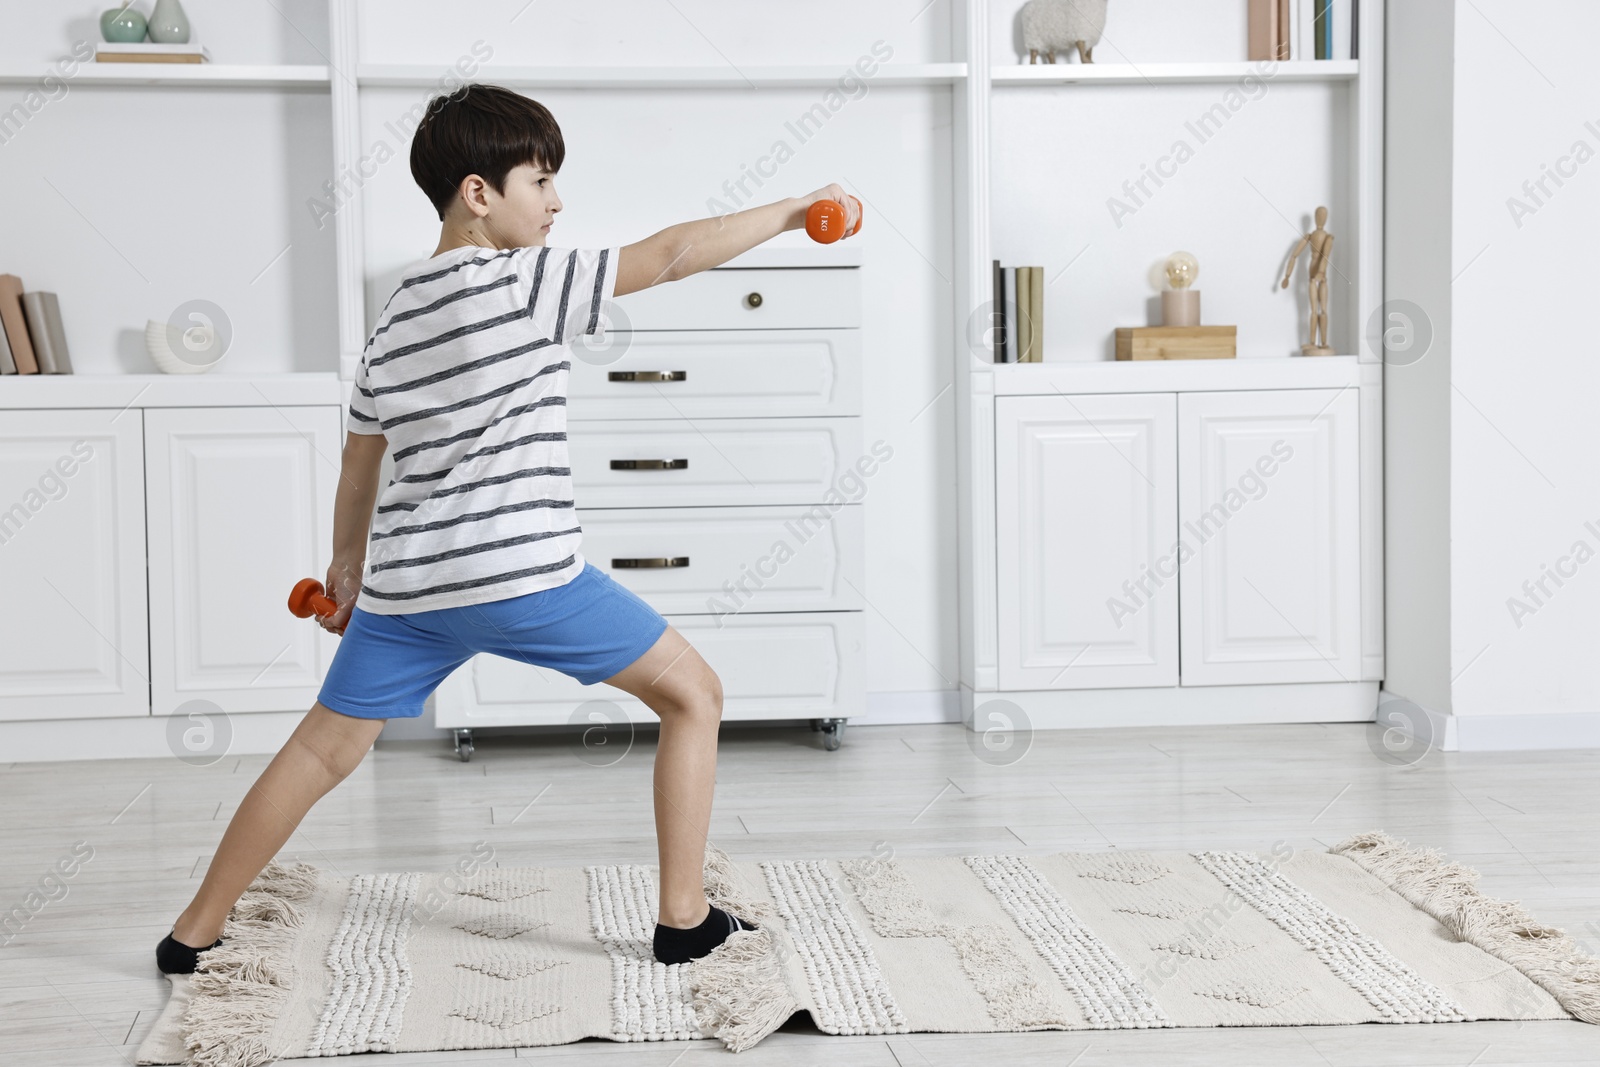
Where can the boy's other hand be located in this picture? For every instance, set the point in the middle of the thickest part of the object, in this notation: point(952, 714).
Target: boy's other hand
point(343, 586)
point(836, 193)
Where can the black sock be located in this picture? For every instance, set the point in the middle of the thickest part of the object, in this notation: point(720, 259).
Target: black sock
point(174, 957)
point(673, 945)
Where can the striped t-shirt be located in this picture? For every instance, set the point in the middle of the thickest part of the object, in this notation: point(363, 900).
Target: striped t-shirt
point(466, 376)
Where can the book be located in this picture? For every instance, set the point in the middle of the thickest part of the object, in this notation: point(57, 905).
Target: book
point(49, 337)
point(1322, 28)
point(997, 314)
point(1011, 313)
point(7, 364)
point(1036, 308)
point(1303, 43)
point(1024, 314)
point(149, 52)
point(1343, 16)
point(1269, 29)
point(1355, 29)
point(16, 325)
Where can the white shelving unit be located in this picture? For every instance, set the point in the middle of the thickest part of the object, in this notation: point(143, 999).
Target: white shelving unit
point(993, 531)
point(988, 91)
point(234, 75)
point(665, 77)
point(1062, 73)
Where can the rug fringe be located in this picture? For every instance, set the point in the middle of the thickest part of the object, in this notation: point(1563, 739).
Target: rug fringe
point(738, 990)
point(241, 986)
point(1448, 892)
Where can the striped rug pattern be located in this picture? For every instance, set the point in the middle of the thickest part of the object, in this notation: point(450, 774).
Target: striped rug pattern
point(1370, 931)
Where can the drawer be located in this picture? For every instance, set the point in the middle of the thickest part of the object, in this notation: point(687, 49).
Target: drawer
point(728, 561)
point(683, 463)
point(783, 298)
point(718, 374)
point(781, 666)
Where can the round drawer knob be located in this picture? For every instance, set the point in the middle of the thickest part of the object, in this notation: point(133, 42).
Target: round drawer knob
point(753, 300)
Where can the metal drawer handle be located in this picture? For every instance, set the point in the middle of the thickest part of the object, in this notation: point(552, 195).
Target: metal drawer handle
point(649, 464)
point(647, 376)
point(753, 300)
point(646, 562)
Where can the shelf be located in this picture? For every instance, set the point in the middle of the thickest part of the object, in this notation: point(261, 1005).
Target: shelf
point(177, 74)
point(210, 389)
point(675, 77)
point(1059, 73)
point(1169, 375)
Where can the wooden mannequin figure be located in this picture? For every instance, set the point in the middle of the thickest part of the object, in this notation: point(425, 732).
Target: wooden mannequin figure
point(1321, 242)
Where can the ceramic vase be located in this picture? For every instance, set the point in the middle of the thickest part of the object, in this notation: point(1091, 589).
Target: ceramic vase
point(168, 23)
point(122, 25)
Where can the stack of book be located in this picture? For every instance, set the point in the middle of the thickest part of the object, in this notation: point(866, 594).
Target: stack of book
point(1018, 317)
point(31, 338)
point(1304, 29)
point(149, 52)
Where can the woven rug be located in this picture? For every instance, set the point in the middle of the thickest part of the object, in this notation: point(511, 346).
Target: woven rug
point(1370, 931)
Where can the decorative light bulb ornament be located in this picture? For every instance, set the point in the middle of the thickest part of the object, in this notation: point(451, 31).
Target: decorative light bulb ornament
point(1180, 305)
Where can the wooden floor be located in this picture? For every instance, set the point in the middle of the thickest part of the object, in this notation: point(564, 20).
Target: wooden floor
point(79, 986)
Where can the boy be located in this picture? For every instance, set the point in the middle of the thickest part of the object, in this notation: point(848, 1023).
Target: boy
point(474, 544)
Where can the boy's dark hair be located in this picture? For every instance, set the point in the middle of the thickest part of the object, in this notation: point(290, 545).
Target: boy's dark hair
point(484, 130)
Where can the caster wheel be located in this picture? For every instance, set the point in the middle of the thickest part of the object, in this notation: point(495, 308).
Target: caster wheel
point(464, 745)
point(832, 733)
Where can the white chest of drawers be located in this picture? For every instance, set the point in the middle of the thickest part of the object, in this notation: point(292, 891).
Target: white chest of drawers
point(714, 439)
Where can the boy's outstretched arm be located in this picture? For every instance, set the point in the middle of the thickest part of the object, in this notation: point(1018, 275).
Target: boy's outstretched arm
point(691, 247)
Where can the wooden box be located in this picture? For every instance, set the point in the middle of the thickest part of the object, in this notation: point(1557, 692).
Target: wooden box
point(1176, 342)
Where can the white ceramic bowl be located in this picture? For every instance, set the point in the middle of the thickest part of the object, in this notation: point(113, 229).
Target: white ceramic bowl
point(162, 341)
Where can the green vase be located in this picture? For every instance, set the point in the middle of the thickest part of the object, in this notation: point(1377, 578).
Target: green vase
point(122, 25)
point(168, 23)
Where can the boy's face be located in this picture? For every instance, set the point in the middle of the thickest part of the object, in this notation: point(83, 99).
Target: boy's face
point(524, 214)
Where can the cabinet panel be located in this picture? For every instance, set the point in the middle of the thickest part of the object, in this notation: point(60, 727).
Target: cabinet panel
point(781, 666)
point(728, 561)
point(73, 635)
point(1269, 508)
point(1086, 494)
point(724, 374)
point(241, 507)
point(713, 461)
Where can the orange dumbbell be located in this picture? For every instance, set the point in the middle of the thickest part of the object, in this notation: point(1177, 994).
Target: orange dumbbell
point(308, 598)
point(825, 220)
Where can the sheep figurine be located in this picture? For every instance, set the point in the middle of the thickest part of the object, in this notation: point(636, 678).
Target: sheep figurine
point(1048, 25)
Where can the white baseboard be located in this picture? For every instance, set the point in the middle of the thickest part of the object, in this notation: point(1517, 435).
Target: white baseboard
point(912, 708)
point(1496, 733)
point(139, 737)
point(263, 733)
point(1178, 705)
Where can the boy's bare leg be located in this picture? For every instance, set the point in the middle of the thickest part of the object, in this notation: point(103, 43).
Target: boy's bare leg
point(320, 754)
point(682, 689)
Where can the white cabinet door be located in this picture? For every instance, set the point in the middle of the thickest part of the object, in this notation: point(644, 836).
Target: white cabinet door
point(241, 507)
point(73, 631)
point(1268, 505)
point(1086, 494)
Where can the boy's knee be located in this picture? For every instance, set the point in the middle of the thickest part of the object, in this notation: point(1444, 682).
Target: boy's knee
point(700, 699)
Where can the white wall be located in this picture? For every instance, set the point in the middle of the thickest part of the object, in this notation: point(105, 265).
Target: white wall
point(1523, 368)
point(1514, 388)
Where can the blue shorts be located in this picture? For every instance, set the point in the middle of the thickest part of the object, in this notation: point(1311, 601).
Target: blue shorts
point(590, 628)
